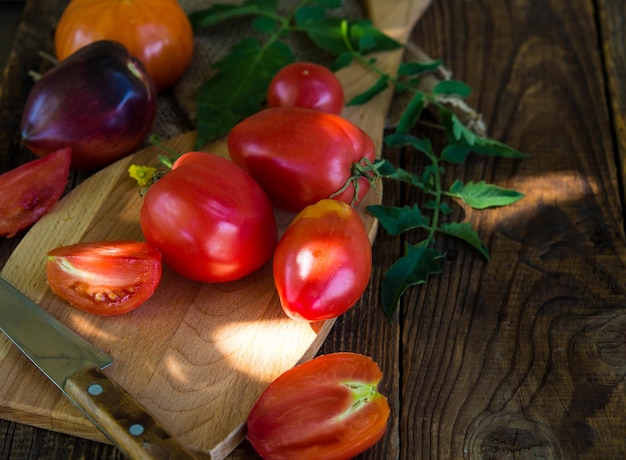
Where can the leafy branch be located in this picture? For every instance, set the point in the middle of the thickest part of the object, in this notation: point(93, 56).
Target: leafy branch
point(239, 87)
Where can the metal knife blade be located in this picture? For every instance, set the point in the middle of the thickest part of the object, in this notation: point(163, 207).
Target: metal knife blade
point(74, 365)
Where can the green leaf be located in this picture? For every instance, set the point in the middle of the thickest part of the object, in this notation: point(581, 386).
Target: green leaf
point(480, 195)
point(417, 68)
point(306, 14)
point(218, 13)
point(386, 170)
point(411, 113)
point(264, 25)
point(465, 232)
point(239, 87)
point(493, 148)
point(343, 60)
point(408, 140)
point(456, 131)
point(378, 87)
point(329, 33)
point(360, 30)
point(327, 3)
point(452, 88)
point(414, 268)
point(455, 153)
point(398, 220)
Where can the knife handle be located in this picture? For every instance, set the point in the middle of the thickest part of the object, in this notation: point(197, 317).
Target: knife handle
point(128, 424)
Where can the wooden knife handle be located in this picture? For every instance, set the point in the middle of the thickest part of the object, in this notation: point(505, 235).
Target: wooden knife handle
point(128, 424)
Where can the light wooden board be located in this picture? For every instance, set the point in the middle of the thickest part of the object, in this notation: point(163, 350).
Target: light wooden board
point(196, 355)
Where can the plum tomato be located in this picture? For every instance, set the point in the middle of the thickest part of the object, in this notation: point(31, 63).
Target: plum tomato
point(105, 277)
point(157, 32)
point(210, 219)
point(328, 408)
point(31, 190)
point(323, 262)
point(306, 84)
point(300, 156)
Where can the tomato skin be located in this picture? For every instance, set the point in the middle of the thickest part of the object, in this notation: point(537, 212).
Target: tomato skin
point(157, 32)
point(210, 219)
point(305, 413)
point(300, 156)
point(31, 190)
point(306, 84)
point(100, 102)
point(323, 262)
point(106, 277)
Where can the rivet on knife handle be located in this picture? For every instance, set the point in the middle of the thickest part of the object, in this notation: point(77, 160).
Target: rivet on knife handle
point(131, 428)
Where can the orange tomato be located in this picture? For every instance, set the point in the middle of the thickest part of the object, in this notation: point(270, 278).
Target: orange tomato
point(157, 32)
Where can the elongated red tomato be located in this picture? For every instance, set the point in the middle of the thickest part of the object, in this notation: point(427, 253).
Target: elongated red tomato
point(31, 190)
point(105, 277)
point(300, 156)
point(306, 84)
point(323, 262)
point(210, 219)
point(325, 409)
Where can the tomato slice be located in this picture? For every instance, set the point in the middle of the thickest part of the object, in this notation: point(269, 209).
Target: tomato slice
point(31, 190)
point(327, 408)
point(105, 278)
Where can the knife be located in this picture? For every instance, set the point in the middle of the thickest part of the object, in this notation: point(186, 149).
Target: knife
point(74, 365)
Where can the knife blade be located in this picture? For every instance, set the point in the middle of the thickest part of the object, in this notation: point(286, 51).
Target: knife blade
point(74, 366)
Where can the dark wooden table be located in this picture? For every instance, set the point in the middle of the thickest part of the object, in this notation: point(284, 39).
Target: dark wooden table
point(522, 357)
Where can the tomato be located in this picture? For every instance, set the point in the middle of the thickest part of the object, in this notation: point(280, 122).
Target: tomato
point(106, 277)
point(306, 84)
point(100, 102)
point(323, 262)
point(300, 156)
point(157, 32)
point(31, 190)
point(210, 219)
point(325, 409)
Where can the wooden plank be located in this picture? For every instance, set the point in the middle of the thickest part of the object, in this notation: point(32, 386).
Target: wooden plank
point(612, 27)
point(524, 356)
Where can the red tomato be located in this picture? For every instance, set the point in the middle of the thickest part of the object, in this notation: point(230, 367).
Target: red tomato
point(300, 156)
point(325, 409)
point(157, 32)
point(106, 277)
point(31, 190)
point(305, 84)
point(210, 219)
point(323, 262)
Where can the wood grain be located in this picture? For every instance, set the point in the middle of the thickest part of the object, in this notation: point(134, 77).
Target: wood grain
point(522, 357)
point(204, 353)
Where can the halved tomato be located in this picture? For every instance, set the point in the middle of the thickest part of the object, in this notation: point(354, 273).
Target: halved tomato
point(327, 408)
point(31, 190)
point(105, 278)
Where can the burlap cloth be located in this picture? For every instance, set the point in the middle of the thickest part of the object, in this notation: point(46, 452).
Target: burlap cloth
point(178, 106)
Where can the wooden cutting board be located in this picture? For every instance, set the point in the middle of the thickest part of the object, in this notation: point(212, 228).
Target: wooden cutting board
point(196, 355)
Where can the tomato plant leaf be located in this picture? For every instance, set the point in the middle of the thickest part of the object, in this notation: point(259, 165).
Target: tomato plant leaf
point(408, 140)
point(452, 88)
point(239, 87)
point(414, 268)
point(491, 147)
point(396, 220)
point(465, 232)
point(456, 153)
point(411, 114)
point(456, 131)
point(481, 195)
point(381, 85)
point(222, 12)
point(417, 68)
point(343, 60)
